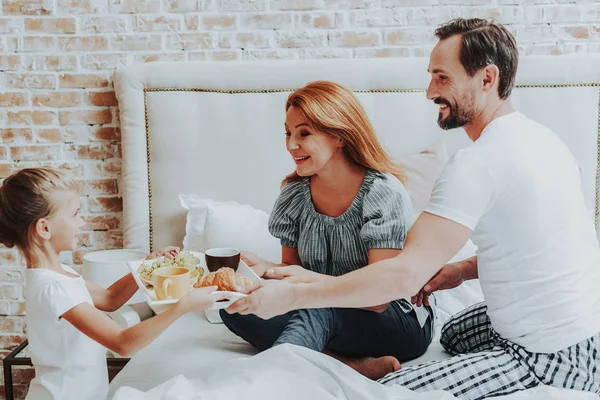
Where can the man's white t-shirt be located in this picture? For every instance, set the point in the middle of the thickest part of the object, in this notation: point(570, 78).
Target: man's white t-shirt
point(68, 364)
point(518, 188)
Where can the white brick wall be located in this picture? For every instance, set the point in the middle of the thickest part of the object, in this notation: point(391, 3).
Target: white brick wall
point(57, 105)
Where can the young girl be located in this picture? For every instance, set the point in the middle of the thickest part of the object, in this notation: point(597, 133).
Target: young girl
point(343, 208)
point(67, 331)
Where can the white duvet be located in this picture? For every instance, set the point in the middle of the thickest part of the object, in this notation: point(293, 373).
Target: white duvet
point(286, 371)
point(194, 359)
point(295, 373)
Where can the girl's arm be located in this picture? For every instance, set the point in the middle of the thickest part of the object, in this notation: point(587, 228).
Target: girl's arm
point(121, 291)
point(99, 327)
point(115, 296)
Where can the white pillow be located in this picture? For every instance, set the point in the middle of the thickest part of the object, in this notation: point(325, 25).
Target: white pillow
point(228, 224)
point(422, 170)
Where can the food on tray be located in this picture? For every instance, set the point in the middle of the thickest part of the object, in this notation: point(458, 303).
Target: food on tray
point(183, 259)
point(227, 280)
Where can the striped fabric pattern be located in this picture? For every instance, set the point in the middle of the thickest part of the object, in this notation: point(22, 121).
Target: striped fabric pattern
point(486, 365)
point(378, 218)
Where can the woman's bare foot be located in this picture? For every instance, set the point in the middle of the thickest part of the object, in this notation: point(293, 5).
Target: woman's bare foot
point(371, 367)
point(374, 368)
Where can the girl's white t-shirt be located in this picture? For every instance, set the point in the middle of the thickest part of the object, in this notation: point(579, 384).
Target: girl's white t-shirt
point(68, 364)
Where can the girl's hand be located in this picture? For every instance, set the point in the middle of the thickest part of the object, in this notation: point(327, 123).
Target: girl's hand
point(200, 299)
point(295, 274)
point(168, 252)
point(257, 264)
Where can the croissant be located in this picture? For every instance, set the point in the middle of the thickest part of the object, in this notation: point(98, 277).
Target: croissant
point(227, 280)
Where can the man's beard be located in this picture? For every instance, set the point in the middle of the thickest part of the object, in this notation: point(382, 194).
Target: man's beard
point(458, 115)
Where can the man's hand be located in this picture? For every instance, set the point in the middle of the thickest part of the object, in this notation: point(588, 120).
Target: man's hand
point(450, 276)
point(272, 298)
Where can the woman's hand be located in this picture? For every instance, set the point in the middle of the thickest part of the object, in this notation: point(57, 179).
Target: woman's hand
point(257, 264)
point(168, 252)
point(295, 274)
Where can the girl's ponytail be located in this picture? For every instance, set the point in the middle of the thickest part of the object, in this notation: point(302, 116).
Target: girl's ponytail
point(25, 198)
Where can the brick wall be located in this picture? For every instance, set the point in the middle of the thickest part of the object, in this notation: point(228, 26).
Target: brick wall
point(57, 105)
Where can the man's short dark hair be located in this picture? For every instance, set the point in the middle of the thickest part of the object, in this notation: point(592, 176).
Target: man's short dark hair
point(485, 43)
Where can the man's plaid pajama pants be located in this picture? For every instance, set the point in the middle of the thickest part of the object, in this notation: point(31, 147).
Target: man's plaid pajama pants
point(485, 365)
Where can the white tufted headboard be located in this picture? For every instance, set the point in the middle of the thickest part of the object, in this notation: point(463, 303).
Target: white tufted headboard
point(216, 129)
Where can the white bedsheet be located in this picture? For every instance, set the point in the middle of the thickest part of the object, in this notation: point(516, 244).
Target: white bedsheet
point(286, 371)
point(194, 359)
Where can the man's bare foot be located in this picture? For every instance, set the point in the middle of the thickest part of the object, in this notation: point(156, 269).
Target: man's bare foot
point(374, 368)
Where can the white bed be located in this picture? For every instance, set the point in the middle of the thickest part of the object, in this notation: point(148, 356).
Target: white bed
point(215, 130)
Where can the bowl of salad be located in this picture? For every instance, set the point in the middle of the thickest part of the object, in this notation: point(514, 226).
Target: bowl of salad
point(183, 259)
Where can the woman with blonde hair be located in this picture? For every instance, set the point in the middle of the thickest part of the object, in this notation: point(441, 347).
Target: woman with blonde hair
point(344, 207)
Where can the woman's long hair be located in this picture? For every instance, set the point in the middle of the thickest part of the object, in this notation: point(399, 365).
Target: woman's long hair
point(333, 110)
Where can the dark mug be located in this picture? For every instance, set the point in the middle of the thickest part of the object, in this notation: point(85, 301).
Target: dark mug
point(222, 257)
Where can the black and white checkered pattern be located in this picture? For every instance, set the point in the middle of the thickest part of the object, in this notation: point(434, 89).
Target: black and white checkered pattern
point(485, 365)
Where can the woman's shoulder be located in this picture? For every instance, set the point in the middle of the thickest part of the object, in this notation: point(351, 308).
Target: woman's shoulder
point(384, 186)
point(386, 195)
point(294, 192)
point(291, 197)
point(292, 187)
